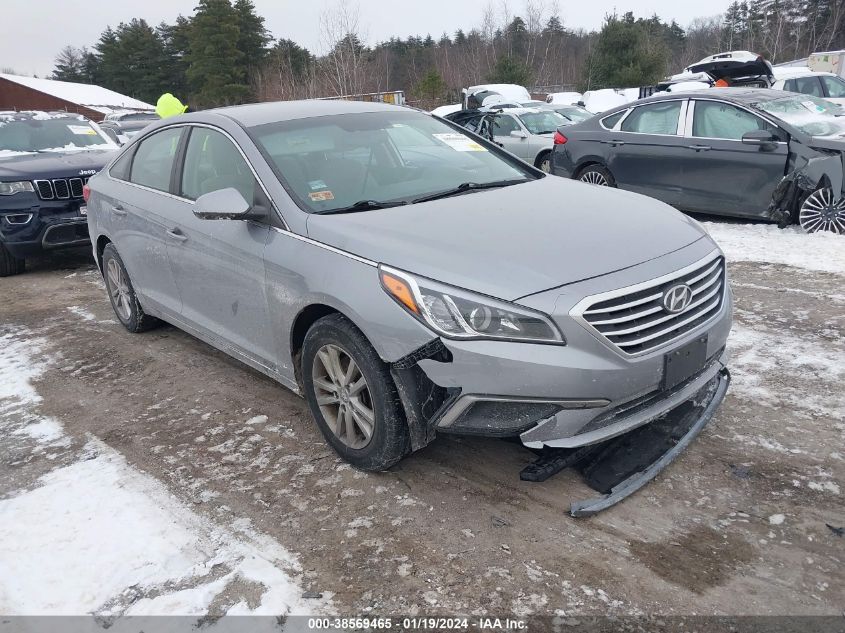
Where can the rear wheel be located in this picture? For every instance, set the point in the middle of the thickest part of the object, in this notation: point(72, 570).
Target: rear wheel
point(544, 162)
point(122, 295)
point(10, 265)
point(597, 175)
point(352, 396)
point(820, 211)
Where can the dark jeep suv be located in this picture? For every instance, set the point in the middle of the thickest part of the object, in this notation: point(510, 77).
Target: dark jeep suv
point(45, 161)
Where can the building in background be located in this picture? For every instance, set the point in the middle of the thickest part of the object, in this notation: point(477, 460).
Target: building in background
point(94, 102)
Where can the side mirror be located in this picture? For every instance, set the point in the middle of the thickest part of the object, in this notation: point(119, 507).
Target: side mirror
point(761, 138)
point(519, 134)
point(224, 204)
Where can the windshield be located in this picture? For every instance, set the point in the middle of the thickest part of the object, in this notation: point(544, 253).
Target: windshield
point(334, 162)
point(576, 115)
point(49, 134)
point(542, 122)
point(811, 115)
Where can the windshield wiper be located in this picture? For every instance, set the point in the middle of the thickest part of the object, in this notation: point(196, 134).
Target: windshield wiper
point(362, 205)
point(469, 186)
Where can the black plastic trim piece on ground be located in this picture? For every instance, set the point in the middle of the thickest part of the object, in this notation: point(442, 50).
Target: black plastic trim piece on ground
point(589, 507)
point(553, 460)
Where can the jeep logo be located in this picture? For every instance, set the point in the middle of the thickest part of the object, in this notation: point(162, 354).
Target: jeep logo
point(87, 172)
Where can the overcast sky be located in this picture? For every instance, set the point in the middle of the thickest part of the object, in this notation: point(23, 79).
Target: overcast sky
point(33, 31)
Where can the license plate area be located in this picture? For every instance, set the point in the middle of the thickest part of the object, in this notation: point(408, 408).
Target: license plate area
point(684, 362)
point(83, 210)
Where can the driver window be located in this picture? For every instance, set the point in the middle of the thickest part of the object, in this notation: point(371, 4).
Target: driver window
point(212, 162)
point(503, 125)
point(713, 119)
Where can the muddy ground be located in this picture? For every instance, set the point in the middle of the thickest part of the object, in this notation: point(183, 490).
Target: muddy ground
point(736, 526)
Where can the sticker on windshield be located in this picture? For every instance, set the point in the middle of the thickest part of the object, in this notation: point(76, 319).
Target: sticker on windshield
point(321, 196)
point(460, 143)
point(812, 106)
point(82, 130)
point(317, 184)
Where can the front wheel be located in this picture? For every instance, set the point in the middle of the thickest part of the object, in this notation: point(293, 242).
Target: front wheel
point(352, 396)
point(597, 175)
point(820, 211)
point(9, 264)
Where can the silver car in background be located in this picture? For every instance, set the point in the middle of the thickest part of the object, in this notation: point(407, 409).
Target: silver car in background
point(410, 278)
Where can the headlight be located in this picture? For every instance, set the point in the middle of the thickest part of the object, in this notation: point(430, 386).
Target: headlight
point(11, 188)
point(456, 313)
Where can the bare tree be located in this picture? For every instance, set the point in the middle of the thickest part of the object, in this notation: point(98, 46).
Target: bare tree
point(343, 48)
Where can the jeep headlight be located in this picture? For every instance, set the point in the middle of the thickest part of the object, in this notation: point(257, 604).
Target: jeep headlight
point(11, 188)
point(460, 314)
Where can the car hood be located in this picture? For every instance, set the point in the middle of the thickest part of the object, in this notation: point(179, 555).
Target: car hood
point(517, 240)
point(30, 166)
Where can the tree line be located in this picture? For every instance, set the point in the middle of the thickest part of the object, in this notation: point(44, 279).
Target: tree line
point(223, 54)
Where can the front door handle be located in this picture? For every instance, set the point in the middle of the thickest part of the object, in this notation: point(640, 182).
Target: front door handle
point(699, 148)
point(118, 210)
point(614, 143)
point(177, 235)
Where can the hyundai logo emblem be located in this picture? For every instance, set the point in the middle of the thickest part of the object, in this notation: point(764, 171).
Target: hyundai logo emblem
point(677, 298)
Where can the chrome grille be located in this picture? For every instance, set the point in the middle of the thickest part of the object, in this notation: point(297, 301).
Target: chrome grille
point(634, 321)
point(60, 188)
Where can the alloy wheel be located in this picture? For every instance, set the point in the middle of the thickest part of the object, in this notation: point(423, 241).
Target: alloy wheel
point(546, 165)
point(594, 178)
point(821, 212)
point(343, 396)
point(119, 290)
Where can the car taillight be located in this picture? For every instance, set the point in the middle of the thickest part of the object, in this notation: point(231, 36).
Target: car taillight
point(560, 139)
point(86, 192)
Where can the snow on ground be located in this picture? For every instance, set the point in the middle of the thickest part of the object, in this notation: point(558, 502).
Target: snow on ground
point(824, 252)
point(98, 536)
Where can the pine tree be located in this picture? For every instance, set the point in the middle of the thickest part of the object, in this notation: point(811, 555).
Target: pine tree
point(253, 38)
point(71, 65)
point(215, 65)
point(509, 70)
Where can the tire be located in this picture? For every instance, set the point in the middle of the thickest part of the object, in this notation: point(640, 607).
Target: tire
point(10, 265)
point(334, 341)
point(122, 295)
point(821, 212)
point(544, 162)
point(596, 175)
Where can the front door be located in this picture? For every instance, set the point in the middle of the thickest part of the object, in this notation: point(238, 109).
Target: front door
point(502, 126)
point(644, 153)
point(721, 173)
point(219, 264)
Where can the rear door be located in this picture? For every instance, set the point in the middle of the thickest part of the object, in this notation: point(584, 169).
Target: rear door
point(645, 150)
point(140, 215)
point(219, 264)
point(723, 175)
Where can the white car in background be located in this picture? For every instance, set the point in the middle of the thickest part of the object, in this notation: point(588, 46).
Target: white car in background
point(805, 81)
point(564, 98)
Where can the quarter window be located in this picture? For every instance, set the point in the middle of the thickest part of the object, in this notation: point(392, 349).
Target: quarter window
point(713, 119)
point(212, 162)
point(610, 121)
point(153, 162)
point(655, 118)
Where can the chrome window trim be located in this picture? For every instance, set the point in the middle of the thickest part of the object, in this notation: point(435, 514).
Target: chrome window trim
point(691, 116)
point(578, 310)
point(188, 200)
point(651, 103)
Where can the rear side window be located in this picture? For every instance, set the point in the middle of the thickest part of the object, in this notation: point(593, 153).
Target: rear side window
point(721, 120)
point(212, 162)
point(120, 169)
point(153, 162)
point(835, 87)
point(655, 118)
point(610, 121)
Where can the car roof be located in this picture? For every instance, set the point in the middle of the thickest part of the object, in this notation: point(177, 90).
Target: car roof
point(273, 111)
point(742, 96)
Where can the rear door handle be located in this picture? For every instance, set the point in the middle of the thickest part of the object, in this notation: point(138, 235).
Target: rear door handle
point(177, 235)
point(615, 143)
point(699, 148)
point(118, 210)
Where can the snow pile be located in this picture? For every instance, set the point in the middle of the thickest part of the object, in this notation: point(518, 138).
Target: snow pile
point(823, 252)
point(97, 536)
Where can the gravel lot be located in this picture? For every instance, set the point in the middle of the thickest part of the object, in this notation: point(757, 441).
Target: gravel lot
point(256, 511)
